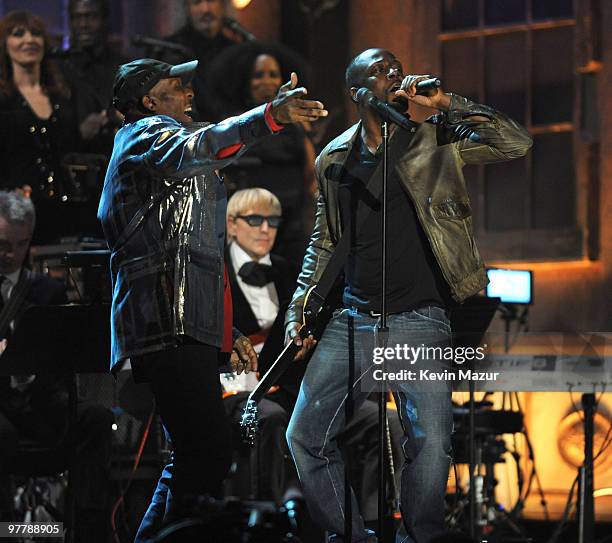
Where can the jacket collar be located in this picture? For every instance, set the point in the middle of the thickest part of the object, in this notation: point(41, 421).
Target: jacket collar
point(344, 142)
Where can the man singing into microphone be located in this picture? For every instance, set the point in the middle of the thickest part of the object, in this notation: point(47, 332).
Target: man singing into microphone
point(432, 261)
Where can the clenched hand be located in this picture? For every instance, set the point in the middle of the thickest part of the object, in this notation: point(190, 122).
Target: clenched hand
point(292, 333)
point(435, 98)
point(244, 357)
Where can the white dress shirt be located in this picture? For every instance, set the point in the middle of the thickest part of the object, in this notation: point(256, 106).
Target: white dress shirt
point(263, 300)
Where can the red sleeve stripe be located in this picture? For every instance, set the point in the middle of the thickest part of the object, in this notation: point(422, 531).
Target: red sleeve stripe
point(233, 149)
point(228, 151)
point(272, 124)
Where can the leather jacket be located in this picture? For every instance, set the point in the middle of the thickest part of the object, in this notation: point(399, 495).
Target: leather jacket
point(168, 275)
point(430, 170)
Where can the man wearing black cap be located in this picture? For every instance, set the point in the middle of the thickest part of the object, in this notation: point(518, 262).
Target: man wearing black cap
point(163, 214)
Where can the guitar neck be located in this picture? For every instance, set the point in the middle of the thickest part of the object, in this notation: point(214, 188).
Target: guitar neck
point(276, 370)
point(318, 310)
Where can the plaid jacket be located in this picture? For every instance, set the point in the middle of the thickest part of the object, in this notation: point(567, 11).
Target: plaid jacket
point(168, 275)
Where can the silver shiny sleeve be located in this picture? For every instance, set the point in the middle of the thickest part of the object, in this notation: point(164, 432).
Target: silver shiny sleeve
point(177, 150)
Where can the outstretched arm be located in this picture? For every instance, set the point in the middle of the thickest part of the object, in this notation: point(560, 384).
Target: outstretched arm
point(180, 151)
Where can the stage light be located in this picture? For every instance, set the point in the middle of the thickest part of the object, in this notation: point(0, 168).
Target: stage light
point(241, 4)
point(114, 427)
point(512, 286)
point(602, 492)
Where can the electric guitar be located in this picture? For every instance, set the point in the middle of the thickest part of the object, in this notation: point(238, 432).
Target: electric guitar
point(316, 315)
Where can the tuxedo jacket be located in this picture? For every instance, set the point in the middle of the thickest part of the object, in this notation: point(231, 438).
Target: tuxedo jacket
point(244, 318)
point(246, 322)
point(46, 390)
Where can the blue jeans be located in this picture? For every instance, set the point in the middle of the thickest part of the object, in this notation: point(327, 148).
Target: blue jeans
point(425, 413)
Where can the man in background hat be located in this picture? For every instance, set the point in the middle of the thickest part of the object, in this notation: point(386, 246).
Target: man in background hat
point(163, 214)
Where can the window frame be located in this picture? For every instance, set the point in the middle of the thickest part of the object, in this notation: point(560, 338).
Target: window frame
point(528, 244)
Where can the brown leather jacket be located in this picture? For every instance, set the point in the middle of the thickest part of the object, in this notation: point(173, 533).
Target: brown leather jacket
point(430, 170)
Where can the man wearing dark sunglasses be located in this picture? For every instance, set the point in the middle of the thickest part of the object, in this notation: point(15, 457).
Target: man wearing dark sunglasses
point(253, 218)
point(257, 220)
point(262, 284)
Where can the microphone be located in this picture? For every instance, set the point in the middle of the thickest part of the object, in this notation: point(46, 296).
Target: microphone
point(237, 28)
point(384, 110)
point(162, 45)
point(423, 87)
point(58, 52)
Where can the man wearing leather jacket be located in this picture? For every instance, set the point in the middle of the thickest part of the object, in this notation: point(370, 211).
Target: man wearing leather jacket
point(433, 262)
point(163, 214)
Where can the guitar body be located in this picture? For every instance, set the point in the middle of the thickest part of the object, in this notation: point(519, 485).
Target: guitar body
point(317, 313)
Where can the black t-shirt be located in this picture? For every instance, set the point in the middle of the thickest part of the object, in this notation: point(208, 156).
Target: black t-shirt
point(414, 278)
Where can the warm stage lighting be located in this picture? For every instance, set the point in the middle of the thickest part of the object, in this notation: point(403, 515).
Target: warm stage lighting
point(241, 4)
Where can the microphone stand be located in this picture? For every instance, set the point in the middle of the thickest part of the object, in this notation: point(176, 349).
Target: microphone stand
point(386, 113)
point(586, 510)
point(238, 29)
point(382, 338)
point(473, 520)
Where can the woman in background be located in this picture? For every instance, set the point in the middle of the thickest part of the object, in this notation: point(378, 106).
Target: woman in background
point(283, 164)
point(38, 124)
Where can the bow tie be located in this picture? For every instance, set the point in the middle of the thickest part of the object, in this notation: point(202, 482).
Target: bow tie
point(256, 274)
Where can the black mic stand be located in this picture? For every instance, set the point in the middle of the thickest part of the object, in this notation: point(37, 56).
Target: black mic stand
point(382, 338)
point(385, 112)
point(474, 528)
point(238, 29)
point(586, 503)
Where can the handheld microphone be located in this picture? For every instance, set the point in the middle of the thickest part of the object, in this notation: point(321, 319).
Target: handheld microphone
point(384, 110)
point(423, 87)
point(162, 45)
point(58, 52)
point(237, 28)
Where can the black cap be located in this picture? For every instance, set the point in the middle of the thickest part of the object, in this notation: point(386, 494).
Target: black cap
point(136, 78)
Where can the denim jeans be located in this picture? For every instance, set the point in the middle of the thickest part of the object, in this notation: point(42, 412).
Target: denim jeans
point(425, 413)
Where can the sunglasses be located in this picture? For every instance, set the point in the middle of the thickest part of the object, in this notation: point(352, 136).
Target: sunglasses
point(273, 221)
